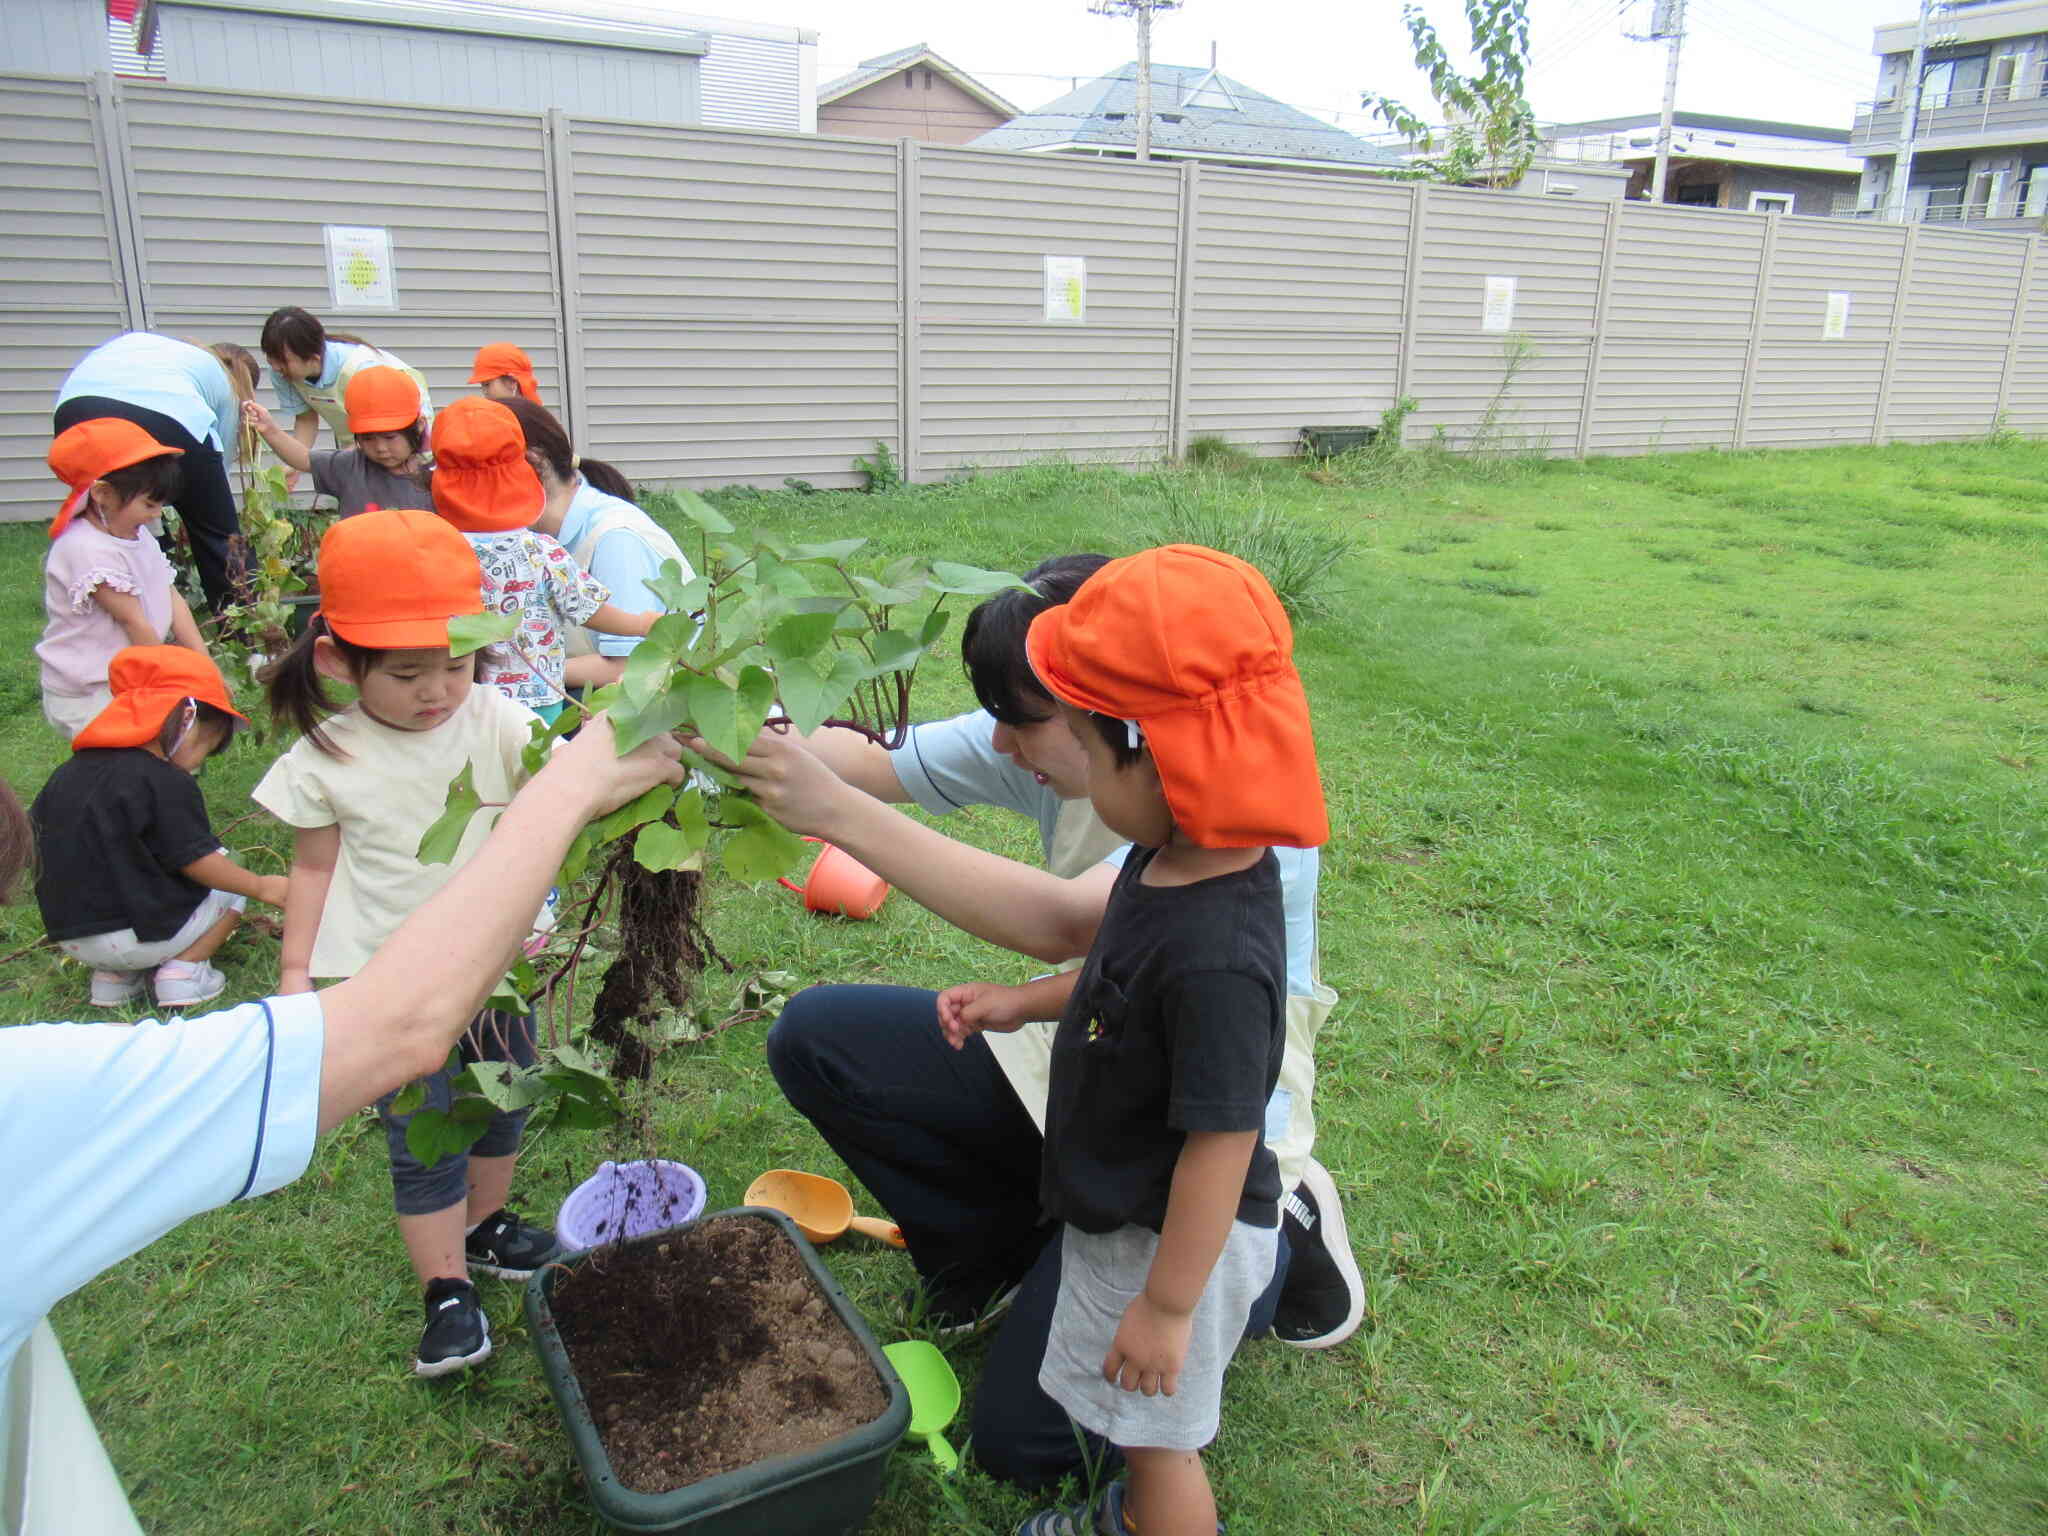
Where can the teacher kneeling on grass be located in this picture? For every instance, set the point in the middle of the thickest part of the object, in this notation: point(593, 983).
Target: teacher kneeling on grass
point(112, 1135)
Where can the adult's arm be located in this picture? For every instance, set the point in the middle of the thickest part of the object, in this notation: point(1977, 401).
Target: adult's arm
point(993, 898)
point(307, 427)
point(398, 1017)
point(860, 762)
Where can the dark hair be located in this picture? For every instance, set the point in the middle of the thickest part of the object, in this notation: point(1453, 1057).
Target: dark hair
point(547, 437)
point(1118, 736)
point(17, 842)
point(992, 645)
point(295, 332)
point(205, 716)
point(298, 694)
point(159, 477)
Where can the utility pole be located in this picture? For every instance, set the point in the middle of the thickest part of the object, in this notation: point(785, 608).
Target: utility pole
point(1668, 23)
point(1142, 10)
point(1909, 118)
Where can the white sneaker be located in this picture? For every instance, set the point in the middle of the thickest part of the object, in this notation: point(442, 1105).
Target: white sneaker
point(115, 989)
point(182, 983)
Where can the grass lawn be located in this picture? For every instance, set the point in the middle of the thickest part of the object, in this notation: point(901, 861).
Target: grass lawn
point(1688, 901)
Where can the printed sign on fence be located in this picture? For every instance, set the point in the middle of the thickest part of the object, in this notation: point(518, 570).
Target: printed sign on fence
point(1066, 289)
point(1499, 311)
point(1836, 325)
point(360, 272)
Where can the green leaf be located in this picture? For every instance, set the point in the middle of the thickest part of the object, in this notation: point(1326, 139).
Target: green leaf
point(934, 626)
point(812, 694)
point(633, 724)
point(884, 595)
point(671, 635)
point(410, 1097)
point(575, 1058)
point(761, 849)
point(433, 1134)
point(801, 634)
point(896, 650)
point(578, 857)
point(689, 817)
point(439, 842)
point(661, 847)
point(834, 551)
point(675, 591)
point(502, 1085)
point(701, 512)
point(971, 580)
point(647, 668)
point(473, 631)
point(652, 805)
point(507, 999)
point(728, 717)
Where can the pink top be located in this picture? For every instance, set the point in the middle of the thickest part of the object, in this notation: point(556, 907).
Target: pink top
point(81, 637)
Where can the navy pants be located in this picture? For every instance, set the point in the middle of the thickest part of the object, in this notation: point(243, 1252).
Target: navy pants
point(939, 1137)
point(205, 500)
point(416, 1189)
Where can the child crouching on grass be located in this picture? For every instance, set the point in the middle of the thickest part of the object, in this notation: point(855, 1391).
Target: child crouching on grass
point(132, 880)
point(1173, 669)
point(360, 787)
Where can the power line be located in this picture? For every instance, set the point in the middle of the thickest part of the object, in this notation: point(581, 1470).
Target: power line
point(1752, 37)
point(1561, 46)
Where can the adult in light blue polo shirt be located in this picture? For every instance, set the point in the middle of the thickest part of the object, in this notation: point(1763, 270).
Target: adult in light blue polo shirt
point(188, 398)
point(112, 1135)
point(310, 370)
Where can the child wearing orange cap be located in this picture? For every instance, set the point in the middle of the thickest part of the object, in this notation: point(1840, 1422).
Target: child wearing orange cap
point(131, 878)
point(360, 788)
point(504, 372)
point(106, 583)
point(484, 486)
point(387, 467)
point(1173, 670)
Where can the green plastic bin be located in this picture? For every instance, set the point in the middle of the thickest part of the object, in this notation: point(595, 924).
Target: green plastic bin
point(825, 1491)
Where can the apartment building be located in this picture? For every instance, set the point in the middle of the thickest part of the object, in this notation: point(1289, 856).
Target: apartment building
point(1977, 118)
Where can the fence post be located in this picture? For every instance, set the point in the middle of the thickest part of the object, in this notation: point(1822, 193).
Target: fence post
point(909, 289)
point(1893, 347)
point(1184, 309)
point(2012, 344)
point(561, 190)
point(1411, 296)
point(1765, 261)
point(1610, 246)
point(117, 187)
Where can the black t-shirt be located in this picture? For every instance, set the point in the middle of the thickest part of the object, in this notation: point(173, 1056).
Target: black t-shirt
point(1176, 1025)
point(113, 827)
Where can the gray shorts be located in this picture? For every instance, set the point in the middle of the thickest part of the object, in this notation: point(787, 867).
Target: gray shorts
point(1099, 1277)
point(122, 951)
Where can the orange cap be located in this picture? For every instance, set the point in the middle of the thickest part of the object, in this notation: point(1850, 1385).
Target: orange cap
point(92, 450)
point(482, 482)
point(502, 360)
point(391, 579)
point(1192, 645)
point(148, 682)
point(381, 400)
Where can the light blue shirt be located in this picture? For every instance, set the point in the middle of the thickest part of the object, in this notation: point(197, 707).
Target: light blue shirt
point(110, 1136)
point(332, 360)
point(623, 562)
point(946, 764)
point(162, 374)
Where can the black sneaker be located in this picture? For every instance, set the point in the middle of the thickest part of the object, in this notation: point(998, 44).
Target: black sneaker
point(458, 1335)
point(507, 1247)
point(1324, 1298)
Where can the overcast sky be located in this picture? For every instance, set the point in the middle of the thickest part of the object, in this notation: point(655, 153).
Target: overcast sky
point(1802, 61)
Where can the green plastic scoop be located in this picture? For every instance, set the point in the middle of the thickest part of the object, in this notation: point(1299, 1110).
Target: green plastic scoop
point(934, 1395)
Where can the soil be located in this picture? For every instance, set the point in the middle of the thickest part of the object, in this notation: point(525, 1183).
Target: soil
point(662, 951)
point(708, 1350)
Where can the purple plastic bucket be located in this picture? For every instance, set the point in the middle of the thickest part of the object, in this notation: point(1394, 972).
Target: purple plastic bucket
point(624, 1200)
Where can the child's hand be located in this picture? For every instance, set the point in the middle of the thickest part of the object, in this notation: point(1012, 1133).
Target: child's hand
point(291, 981)
point(270, 889)
point(254, 415)
point(1150, 1346)
point(966, 1010)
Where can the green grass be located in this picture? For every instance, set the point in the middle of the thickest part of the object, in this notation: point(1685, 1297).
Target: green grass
point(1689, 905)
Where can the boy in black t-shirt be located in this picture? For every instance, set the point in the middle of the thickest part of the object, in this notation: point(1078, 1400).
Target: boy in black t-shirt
point(1173, 669)
point(130, 878)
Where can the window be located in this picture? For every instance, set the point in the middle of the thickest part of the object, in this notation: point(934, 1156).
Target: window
point(2005, 71)
point(1985, 187)
point(2034, 190)
point(1770, 202)
point(1698, 196)
point(1952, 82)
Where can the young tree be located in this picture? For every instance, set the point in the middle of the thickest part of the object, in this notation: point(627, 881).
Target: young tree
point(1491, 133)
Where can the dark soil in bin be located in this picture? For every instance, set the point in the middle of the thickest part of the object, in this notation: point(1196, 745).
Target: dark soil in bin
point(709, 1350)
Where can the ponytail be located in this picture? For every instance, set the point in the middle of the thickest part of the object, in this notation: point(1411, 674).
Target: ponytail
point(606, 479)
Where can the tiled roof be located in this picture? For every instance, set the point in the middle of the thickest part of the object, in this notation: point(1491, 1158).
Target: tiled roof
point(1195, 111)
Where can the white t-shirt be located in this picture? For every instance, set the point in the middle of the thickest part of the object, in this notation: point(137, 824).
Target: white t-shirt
point(111, 1136)
point(384, 795)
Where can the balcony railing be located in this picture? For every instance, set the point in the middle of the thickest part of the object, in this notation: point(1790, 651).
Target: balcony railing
point(1983, 109)
point(1953, 211)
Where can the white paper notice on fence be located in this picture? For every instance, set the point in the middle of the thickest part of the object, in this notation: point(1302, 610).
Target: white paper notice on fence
point(1066, 289)
point(360, 272)
point(1499, 312)
point(1836, 325)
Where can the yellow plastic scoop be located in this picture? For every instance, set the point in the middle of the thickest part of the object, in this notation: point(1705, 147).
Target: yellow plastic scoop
point(821, 1207)
point(934, 1395)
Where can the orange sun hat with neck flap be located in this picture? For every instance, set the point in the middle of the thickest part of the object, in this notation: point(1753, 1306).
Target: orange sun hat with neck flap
point(1191, 647)
point(482, 482)
point(381, 400)
point(391, 579)
point(92, 450)
point(502, 360)
point(148, 682)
